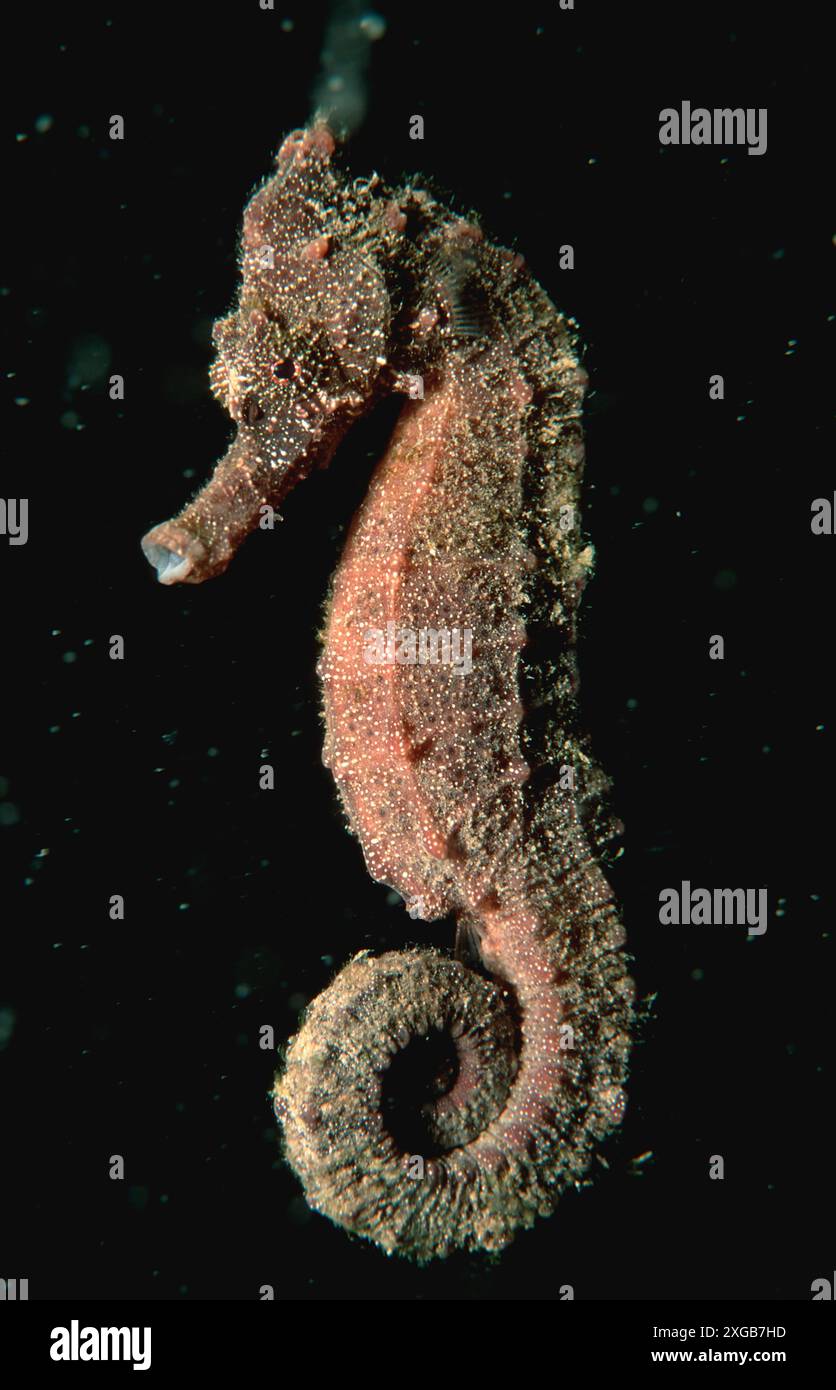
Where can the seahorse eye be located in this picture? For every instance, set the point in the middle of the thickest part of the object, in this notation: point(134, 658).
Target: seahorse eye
point(251, 411)
point(282, 370)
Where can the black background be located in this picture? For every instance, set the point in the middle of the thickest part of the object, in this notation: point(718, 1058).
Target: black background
point(141, 777)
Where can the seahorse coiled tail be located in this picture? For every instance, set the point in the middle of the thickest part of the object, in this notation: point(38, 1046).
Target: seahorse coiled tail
point(430, 1104)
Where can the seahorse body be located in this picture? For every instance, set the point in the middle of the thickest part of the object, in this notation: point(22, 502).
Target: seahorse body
point(428, 1105)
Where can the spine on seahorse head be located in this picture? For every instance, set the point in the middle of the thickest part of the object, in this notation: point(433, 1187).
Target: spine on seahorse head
point(428, 1103)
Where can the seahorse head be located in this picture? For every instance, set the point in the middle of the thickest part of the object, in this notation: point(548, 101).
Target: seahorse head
point(297, 361)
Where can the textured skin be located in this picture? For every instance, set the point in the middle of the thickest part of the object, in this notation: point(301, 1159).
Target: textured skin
point(426, 1105)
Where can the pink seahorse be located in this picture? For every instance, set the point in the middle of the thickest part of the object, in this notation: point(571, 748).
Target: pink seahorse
point(432, 1103)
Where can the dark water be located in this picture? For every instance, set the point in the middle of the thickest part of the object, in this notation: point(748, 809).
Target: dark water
point(139, 777)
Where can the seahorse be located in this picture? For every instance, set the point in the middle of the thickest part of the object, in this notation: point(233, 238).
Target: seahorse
point(433, 1102)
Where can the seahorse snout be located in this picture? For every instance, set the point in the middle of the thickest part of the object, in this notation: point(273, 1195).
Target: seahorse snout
point(178, 557)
